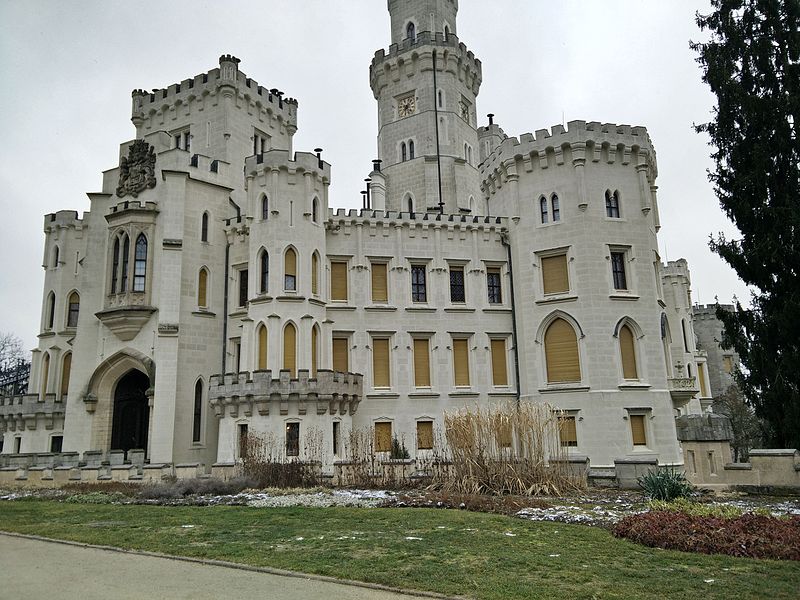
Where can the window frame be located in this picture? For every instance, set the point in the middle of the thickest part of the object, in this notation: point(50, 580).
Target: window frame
point(555, 205)
point(73, 310)
point(568, 416)
point(197, 412)
point(243, 285)
point(263, 271)
point(384, 264)
point(425, 421)
point(292, 439)
point(466, 338)
point(644, 415)
point(388, 339)
point(613, 205)
point(457, 268)
point(544, 218)
point(419, 290)
point(346, 266)
point(426, 338)
point(290, 280)
point(492, 270)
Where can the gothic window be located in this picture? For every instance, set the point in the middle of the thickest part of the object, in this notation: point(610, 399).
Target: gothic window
point(411, 32)
point(411, 149)
point(493, 287)
point(126, 250)
point(55, 257)
point(263, 284)
point(73, 308)
point(315, 208)
point(543, 209)
point(612, 204)
point(457, 291)
point(140, 264)
point(204, 228)
point(627, 348)
point(66, 368)
point(202, 288)
point(403, 152)
point(314, 350)
point(45, 375)
point(197, 419)
point(556, 208)
point(264, 208)
point(315, 274)
point(293, 439)
point(115, 266)
point(446, 32)
point(243, 285)
point(685, 338)
point(561, 353)
point(262, 348)
point(50, 307)
point(410, 202)
point(290, 271)
point(290, 350)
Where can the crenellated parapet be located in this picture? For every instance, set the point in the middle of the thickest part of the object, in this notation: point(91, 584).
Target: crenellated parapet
point(330, 392)
point(63, 219)
point(581, 142)
point(28, 411)
point(299, 163)
point(434, 220)
point(205, 87)
point(413, 54)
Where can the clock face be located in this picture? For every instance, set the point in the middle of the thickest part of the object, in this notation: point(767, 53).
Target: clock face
point(406, 106)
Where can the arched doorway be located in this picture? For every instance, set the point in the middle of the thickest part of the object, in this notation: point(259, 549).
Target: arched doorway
point(131, 412)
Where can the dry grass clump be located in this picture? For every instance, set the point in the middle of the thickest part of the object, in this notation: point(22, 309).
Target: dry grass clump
point(264, 461)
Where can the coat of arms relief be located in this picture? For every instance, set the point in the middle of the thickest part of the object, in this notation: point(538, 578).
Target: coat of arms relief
point(137, 171)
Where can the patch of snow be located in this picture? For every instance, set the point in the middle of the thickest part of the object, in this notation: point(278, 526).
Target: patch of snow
point(509, 534)
point(412, 538)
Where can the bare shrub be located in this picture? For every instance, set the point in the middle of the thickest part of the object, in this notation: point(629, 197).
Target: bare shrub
point(265, 462)
point(180, 488)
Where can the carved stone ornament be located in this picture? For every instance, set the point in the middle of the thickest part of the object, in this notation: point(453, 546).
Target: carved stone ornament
point(137, 171)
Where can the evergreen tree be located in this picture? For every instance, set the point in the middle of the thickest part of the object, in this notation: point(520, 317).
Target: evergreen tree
point(751, 64)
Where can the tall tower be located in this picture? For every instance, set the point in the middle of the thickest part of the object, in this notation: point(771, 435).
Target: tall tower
point(427, 137)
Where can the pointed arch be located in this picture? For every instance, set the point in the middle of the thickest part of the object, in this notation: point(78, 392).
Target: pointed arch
point(411, 152)
point(315, 210)
point(543, 211)
point(263, 341)
point(403, 152)
point(315, 273)
point(290, 269)
point(314, 349)
point(50, 311)
point(202, 288)
point(612, 204)
point(45, 376)
point(556, 206)
point(204, 227)
point(73, 308)
point(264, 207)
point(140, 264)
point(66, 369)
point(55, 257)
point(290, 349)
point(562, 356)
point(197, 416)
point(627, 333)
point(263, 271)
point(666, 340)
point(411, 31)
point(408, 202)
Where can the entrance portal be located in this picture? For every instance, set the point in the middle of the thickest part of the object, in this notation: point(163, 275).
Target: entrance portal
point(131, 412)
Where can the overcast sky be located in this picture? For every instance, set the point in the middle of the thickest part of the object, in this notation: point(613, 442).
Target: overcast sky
point(68, 68)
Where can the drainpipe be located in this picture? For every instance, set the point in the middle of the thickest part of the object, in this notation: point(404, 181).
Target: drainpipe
point(504, 239)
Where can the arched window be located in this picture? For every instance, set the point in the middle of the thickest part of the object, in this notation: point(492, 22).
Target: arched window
point(666, 339)
point(126, 251)
point(45, 375)
point(403, 155)
point(315, 274)
point(55, 257)
point(465, 151)
point(446, 32)
point(115, 266)
point(411, 149)
point(197, 419)
point(73, 309)
point(290, 350)
point(315, 210)
point(66, 367)
point(561, 353)
point(202, 288)
point(204, 228)
point(262, 348)
point(612, 204)
point(140, 264)
point(410, 203)
point(543, 209)
point(50, 307)
point(290, 271)
point(314, 349)
point(264, 208)
point(472, 205)
point(263, 283)
point(556, 208)
point(685, 338)
point(627, 348)
point(469, 155)
point(411, 31)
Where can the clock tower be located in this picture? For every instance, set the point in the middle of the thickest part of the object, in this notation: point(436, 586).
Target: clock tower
point(426, 86)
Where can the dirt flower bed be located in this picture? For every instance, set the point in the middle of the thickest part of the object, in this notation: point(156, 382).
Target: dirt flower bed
point(749, 535)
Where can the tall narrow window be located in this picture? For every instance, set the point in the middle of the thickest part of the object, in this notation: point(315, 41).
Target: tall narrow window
point(567, 431)
point(202, 288)
point(126, 252)
point(612, 204)
point(403, 152)
point(197, 419)
point(424, 435)
point(457, 290)
point(204, 228)
point(638, 430)
point(73, 309)
point(627, 349)
point(314, 349)
point(339, 281)
point(685, 337)
point(243, 440)
point(315, 274)
point(293, 439)
point(290, 350)
point(380, 363)
point(263, 284)
point(115, 266)
point(264, 208)
point(45, 375)
point(419, 291)
point(290, 271)
point(66, 368)
point(411, 149)
point(499, 365)
point(618, 271)
point(140, 264)
point(422, 363)
point(56, 444)
point(561, 353)
point(340, 355)
point(493, 287)
point(461, 362)
point(51, 311)
point(243, 283)
point(701, 375)
point(55, 257)
point(383, 437)
point(556, 208)
point(410, 205)
point(315, 210)
point(262, 348)
point(380, 288)
point(411, 32)
point(543, 209)
point(555, 276)
point(336, 437)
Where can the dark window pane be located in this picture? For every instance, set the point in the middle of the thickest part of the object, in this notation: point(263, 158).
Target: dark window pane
point(293, 439)
point(457, 285)
point(618, 270)
point(418, 288)
point(493, 287)
point(243, 287)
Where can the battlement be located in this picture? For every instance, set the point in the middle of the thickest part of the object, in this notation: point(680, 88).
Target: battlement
point(227, 75)
point(281, 159)
point(491, 130)
point(676, 268)
point(368, 217)
point(710, 310)
point(460, 59)
point(62, 219)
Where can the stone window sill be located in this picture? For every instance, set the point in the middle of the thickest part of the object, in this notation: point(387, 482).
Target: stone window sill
point(557, 298)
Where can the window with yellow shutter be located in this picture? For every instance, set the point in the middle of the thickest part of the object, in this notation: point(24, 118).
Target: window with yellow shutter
point(290, 271)
point(422, 367)
point(340, 355)
point(701, 375)
point(314, 349)
point(461, 362)
point(638, 432)
point(561, 353)
point(499, 367)
point(339, 281)
point(262, 348)
point(380, 287)
point(290, 350)
point(315, 274)
point(380, 363)
point(202, 289)
point(424, 435)
point(567, 432)
point(555, 277)
point(66, 367)
point(627, 349)
point(383, 437)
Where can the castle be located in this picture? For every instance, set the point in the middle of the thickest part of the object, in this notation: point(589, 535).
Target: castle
point(211, 291)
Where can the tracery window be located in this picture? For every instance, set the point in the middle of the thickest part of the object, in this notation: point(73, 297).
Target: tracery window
point(140, 264)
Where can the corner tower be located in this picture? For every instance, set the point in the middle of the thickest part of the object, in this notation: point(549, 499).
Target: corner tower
point(427, 137)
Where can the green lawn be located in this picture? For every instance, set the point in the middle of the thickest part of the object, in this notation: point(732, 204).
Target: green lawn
point(471, 554)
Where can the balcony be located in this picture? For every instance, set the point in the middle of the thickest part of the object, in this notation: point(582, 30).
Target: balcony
point(328, 393)
point(682, 389)
point(21, 412)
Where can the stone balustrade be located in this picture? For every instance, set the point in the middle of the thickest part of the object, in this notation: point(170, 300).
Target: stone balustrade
point(20, 412)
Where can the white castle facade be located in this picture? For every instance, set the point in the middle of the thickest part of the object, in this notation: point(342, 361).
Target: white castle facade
point(210, 291)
